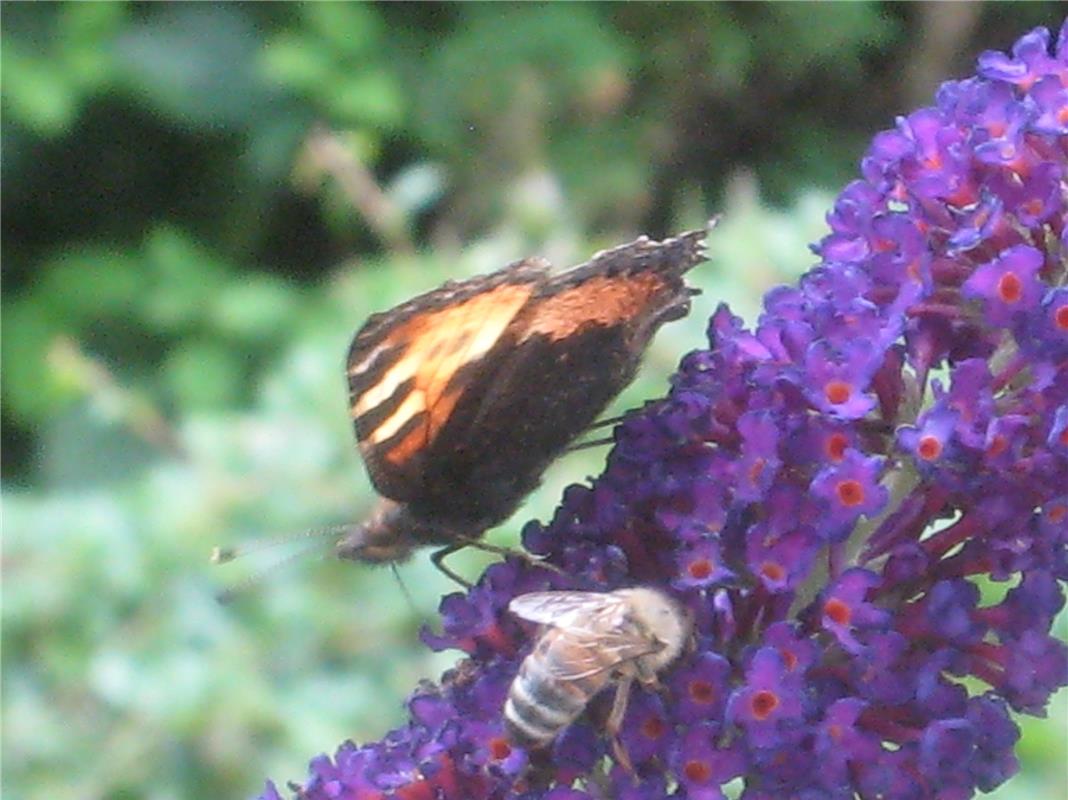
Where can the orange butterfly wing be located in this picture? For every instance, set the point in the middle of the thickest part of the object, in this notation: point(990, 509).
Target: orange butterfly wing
point(407, 368)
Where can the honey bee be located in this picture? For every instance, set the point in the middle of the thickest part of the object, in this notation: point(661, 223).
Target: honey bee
point(588, 641)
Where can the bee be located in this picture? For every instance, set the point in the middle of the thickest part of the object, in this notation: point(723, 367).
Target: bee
point(588, 641)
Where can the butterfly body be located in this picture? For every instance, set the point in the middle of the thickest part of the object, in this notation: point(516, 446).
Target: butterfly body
point(462, 397)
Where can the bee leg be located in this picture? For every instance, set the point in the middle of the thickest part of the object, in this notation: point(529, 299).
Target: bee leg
point(437, 558)
point(615, 722)
point(652, 683)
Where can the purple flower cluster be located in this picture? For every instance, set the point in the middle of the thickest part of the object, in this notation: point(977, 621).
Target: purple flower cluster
point(863, 501)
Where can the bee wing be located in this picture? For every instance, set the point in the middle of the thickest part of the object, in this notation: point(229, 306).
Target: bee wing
point(591, 654)
point(596, 623)
point(594, 612)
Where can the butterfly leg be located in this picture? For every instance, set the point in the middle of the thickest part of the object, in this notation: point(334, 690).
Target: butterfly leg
point(607, 422)
point(437, 558)
point(615, 723)
point(533, 560)
point(574, 448)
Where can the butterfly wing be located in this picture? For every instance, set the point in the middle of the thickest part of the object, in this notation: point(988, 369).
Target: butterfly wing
point(566, 354)
point(408, 368)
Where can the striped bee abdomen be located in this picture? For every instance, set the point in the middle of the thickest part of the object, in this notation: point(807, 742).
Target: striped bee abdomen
point(548, 694)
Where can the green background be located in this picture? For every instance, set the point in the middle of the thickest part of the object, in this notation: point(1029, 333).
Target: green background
point(182, 272)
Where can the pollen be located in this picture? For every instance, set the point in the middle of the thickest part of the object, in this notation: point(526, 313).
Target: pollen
point(850, 493)
point(837, 612)
point(764, 703)
point(697, 771)
point(1010, 287)
point(929, 448)
point(837, 392)
point(701, 692)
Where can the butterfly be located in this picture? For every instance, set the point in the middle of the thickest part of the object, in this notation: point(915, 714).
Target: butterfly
point(463, 396)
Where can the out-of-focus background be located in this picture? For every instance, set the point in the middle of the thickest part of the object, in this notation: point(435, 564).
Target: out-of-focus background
point(202, 202)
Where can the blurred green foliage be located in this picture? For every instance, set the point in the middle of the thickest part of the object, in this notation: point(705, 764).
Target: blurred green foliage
point(182, 271)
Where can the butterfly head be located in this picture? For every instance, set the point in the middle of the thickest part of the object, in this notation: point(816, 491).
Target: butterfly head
point(383, 537)
point(390, 534)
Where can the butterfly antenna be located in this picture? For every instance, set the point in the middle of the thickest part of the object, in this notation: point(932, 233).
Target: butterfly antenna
point(403, 587)
point(227, 596)
point(224, 554)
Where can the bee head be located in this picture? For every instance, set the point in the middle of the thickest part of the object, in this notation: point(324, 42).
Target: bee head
point(664, 618)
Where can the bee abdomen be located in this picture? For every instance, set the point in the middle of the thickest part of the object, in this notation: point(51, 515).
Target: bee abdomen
point(539, 705)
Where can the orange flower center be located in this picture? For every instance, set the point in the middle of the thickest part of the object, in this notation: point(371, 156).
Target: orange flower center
point(850, 493)
point(755, 469)
point(700, 569)
point(1060, 317)
point(789, 659)
point(653, 728)
point(702, 692)
point(697, 771)
point(929, 448)
point(837, 392)
point(837, 611)
point(998, 445)
point(763, 703)
point(772, 571)
point(836, 445)
point(1010, 287)
point(499, 749)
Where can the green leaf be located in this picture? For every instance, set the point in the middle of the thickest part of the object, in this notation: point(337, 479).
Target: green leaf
point(350, 28)
point(84, 39)
point(37, 91)
point(203, 374)
point(31, 390)
point(254, 307)
point(295, 60)
point(184, 278)
point(370, 95)
point(83, 283)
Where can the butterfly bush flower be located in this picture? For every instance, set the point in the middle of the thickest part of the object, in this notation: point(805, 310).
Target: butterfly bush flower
point(863, 501)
